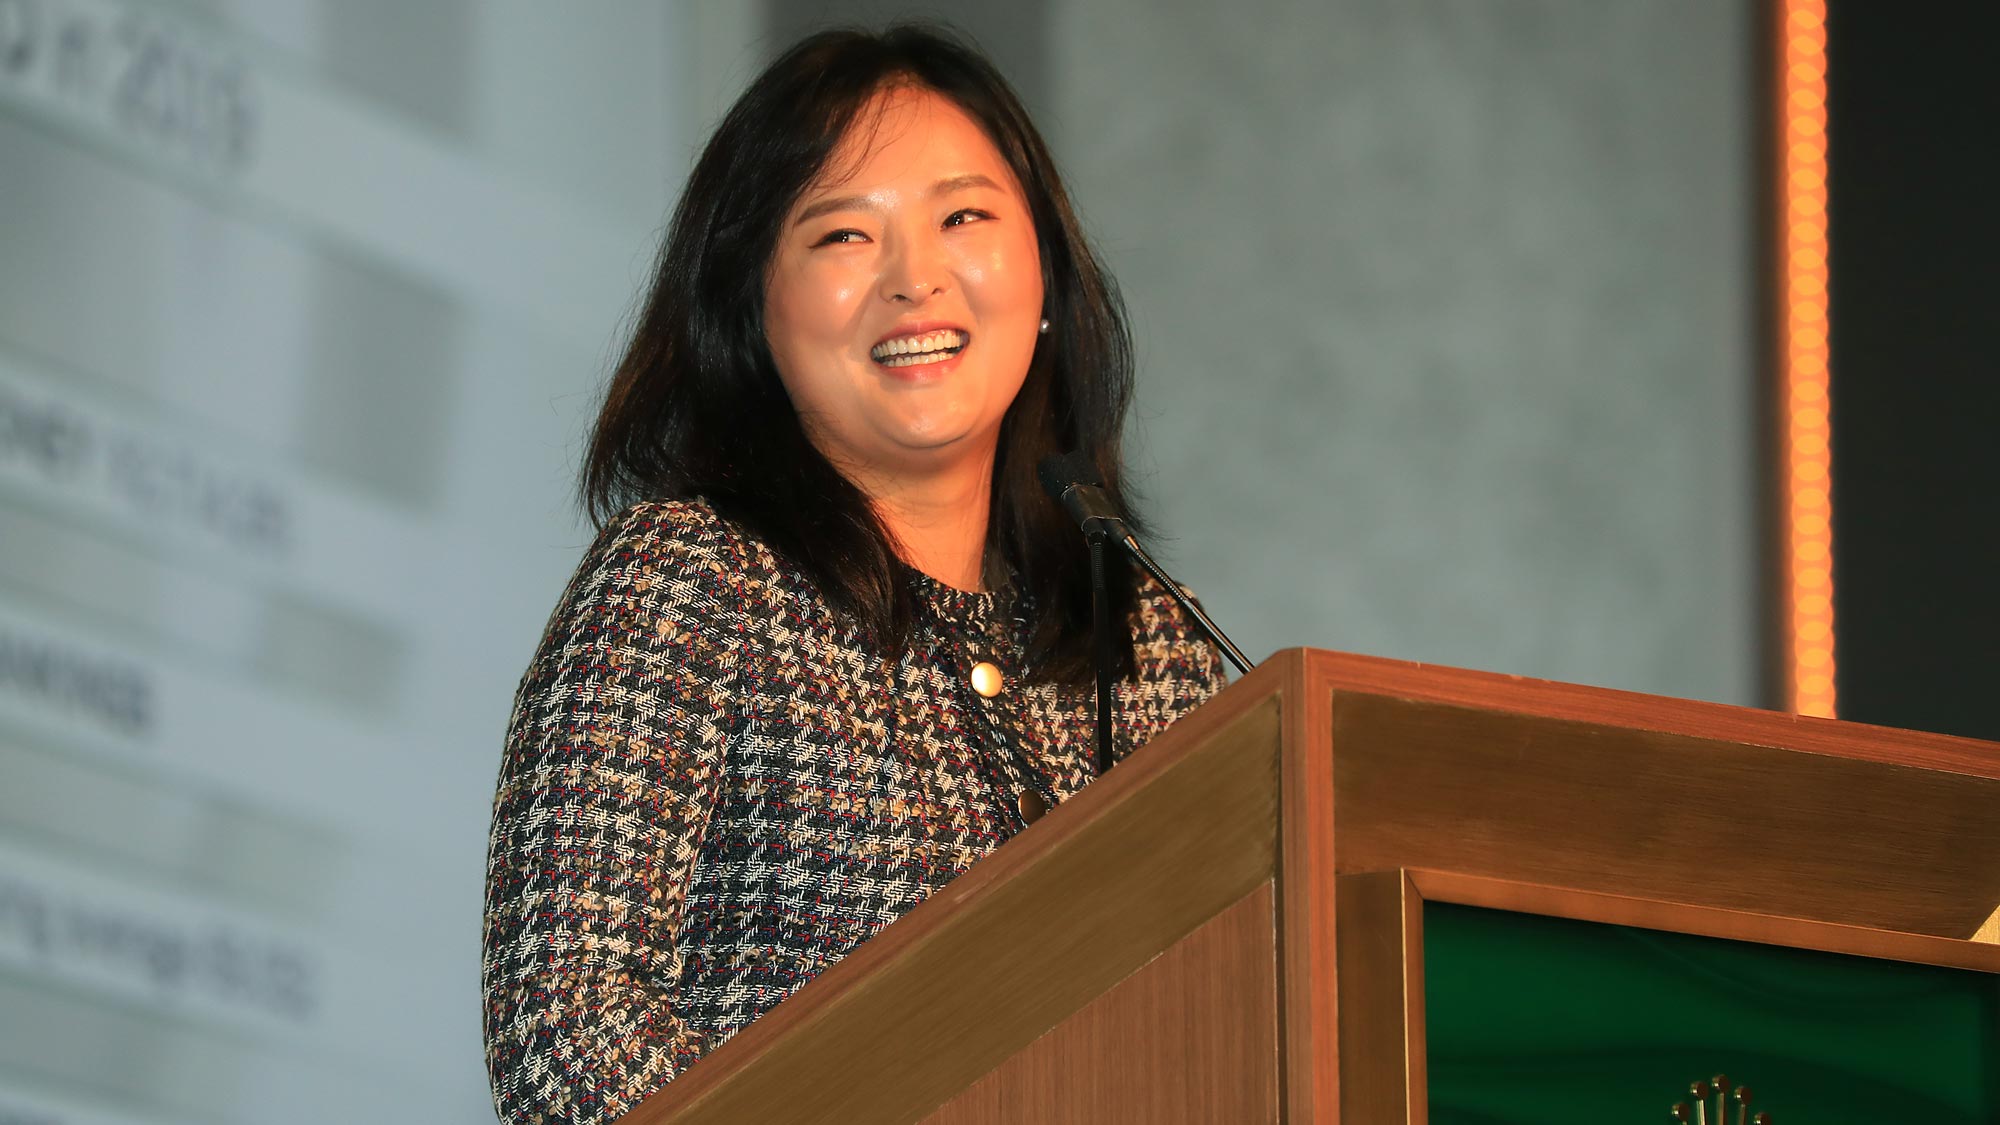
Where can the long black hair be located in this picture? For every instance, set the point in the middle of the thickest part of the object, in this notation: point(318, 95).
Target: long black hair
point(696, 408)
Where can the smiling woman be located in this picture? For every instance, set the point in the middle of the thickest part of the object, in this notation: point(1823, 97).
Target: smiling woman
point(902, 307)
point(832, 643)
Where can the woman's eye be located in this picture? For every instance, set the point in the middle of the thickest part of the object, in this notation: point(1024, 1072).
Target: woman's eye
point(843, 235)
point(965, 215)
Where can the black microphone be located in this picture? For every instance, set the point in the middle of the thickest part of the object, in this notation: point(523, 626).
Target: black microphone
point(1074, 483)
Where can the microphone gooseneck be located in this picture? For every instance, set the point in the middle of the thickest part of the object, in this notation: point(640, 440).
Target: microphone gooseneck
point(1188, 606)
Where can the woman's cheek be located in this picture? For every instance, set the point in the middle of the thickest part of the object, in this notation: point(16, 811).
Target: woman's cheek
point(1023, 263)
point(841, 296)
point(825, 275)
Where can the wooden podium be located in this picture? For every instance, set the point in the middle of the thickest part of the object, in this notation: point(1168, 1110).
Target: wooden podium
point(1228, 927)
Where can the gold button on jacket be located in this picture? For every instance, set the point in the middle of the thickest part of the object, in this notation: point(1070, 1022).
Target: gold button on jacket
point(987, 680)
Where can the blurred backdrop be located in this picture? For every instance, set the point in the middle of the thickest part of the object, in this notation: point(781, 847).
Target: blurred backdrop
point(1449, 318)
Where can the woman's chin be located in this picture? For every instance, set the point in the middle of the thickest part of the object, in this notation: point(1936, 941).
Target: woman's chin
point(941, 429)
point(931, 449)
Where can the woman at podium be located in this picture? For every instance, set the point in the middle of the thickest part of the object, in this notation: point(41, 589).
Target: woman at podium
point(832, 643)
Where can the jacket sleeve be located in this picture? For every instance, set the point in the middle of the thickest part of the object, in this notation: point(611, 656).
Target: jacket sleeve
point(611, 771)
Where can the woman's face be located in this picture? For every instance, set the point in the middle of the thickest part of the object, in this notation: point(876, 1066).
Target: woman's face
point(903, 301)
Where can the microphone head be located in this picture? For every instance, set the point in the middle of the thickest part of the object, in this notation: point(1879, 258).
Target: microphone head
point(1065, 471)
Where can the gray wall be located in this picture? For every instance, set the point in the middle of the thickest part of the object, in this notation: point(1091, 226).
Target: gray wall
point(1444, 311)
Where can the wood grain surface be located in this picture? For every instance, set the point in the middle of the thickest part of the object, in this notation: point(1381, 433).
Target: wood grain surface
point(1189, 1039)
point(1653, 814)
point(1381, 958)
point(1308, 994)
point(1519, 695)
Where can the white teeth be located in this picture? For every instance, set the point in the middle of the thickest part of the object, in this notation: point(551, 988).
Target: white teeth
point(927, 348)
point(915, 358)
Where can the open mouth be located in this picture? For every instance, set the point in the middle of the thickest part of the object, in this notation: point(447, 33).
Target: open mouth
point(929, 347)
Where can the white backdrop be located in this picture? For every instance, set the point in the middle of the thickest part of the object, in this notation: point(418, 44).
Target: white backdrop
point(301, 306)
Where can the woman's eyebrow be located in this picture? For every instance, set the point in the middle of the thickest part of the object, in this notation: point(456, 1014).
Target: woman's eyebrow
point(863, 203)
point(842, 203)
point(960, 183)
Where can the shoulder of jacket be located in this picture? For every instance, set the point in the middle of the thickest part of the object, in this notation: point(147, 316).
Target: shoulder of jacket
point(689, 540)
point(1158, 615)
point(1151, 590)
point(655, 519)
point(681, 529)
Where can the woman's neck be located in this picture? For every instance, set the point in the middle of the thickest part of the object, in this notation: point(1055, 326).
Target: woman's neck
point(940, 522)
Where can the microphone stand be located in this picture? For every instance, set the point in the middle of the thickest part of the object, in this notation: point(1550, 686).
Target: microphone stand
point(1107, 656)
point(1072, 482)
point(1096, 533)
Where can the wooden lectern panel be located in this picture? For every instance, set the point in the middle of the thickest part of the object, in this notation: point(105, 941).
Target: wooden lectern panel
point(1190, 1039)
point(1676, 814)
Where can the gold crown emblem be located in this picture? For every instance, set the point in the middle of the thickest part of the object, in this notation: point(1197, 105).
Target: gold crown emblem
point(1724, 1096)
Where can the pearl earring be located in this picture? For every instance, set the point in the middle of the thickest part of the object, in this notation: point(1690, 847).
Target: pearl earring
point(1045, 326)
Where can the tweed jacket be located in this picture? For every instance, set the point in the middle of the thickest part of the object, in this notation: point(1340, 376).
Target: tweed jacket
point(712, 789)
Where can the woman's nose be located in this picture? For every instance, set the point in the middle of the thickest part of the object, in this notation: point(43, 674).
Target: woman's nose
point(915, 272)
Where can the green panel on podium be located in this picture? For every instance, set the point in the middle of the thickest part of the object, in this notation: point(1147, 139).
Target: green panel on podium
point(1546, 1021)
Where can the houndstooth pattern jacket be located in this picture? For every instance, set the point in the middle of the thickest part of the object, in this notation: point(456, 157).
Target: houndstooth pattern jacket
point(712, 790)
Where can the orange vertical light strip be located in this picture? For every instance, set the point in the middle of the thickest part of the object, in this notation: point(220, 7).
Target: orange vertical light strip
point(1805, 436)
